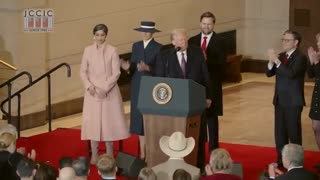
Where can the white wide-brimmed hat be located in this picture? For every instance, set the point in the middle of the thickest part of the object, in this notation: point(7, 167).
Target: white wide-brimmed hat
point(177, 145)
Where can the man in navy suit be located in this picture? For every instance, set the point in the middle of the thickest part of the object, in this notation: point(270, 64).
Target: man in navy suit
point(289, 67)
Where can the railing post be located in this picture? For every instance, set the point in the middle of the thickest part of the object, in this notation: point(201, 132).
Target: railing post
point(49, 102)
point(19, 114)
point(9, 103)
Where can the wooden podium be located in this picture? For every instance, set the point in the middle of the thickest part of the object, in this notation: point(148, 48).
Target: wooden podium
point(170, 105)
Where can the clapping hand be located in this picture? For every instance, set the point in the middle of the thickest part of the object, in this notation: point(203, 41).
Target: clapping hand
point(272, 55)
point(208, 170)
point(143, 66)
point(313, 56)
point(125, 65)
point(32, 155)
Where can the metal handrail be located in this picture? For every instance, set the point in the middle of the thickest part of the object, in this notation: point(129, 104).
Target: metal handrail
point(18, 93)
point(9, 84)
point(8, 65)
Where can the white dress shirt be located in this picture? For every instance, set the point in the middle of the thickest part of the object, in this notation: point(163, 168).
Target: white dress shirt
point(145, 43)
point(179, 54)
point(208, 38)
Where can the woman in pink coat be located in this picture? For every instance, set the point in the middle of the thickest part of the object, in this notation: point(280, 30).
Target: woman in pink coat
point(103, 116)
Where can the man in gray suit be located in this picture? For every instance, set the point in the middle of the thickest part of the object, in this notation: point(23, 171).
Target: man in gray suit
point(177, 146)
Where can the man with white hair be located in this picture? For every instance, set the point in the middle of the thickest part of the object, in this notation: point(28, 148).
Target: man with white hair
point(292, 158)
point(66, 173)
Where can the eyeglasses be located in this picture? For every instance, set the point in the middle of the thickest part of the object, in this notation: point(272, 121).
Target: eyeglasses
point(287, 40)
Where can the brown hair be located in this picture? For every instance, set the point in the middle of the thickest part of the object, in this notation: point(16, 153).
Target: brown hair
point(181, 174)
point(208, 15)
point(295, 35)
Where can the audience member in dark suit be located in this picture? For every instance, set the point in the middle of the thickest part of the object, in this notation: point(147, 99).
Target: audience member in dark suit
point(289, 67)
point(292, 158)
point(219, 167)
point(26, 169)
point(106, 166)
point(215, 56)
point(9, 158)
point(142, 63)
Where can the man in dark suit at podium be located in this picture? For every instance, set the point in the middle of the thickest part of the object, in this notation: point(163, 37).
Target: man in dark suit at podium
point(183, 61)
point(186, 62)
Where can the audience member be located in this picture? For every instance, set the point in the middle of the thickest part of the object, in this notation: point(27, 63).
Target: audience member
point(81, 168)
point(26, 169)
point(65, 161)
point(67, 173)
point(176, 147)
point(181, 174)
point(292, 158)
point(45, 172)
point(219, 167)
point(147, 174)
point(107, 168)
point(9, 158)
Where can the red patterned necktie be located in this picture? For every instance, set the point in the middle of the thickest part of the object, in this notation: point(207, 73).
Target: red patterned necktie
point(286, 59)
point(204, 44)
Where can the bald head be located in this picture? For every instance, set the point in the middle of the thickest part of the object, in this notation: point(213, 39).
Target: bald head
point(67, 173)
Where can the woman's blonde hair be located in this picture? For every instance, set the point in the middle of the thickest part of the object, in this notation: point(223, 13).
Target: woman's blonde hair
point(147, 174)
point(220, 160)
point(6, 139)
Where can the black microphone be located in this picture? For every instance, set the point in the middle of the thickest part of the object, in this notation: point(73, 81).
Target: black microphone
point(177, 48)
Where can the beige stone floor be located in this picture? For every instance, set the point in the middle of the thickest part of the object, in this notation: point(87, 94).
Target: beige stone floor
point(248, 114)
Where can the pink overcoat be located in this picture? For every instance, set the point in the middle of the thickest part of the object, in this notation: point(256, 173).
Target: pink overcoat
point(103, 118)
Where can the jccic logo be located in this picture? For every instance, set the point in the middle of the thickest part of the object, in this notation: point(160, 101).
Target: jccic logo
point(38, 20)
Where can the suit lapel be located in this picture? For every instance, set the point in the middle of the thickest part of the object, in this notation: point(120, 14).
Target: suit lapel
point(198, 39)
point(211, 41)
point(150, 45)
point(292, 56)
point(189, 62)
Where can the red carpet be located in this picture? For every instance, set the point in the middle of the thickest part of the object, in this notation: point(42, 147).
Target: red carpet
point(50, 147)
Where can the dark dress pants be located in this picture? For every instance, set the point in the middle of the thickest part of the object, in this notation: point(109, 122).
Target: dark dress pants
point(287, 127)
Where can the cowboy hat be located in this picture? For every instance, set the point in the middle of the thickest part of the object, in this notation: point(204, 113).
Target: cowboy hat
point(177, 145)
point(147, 26)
